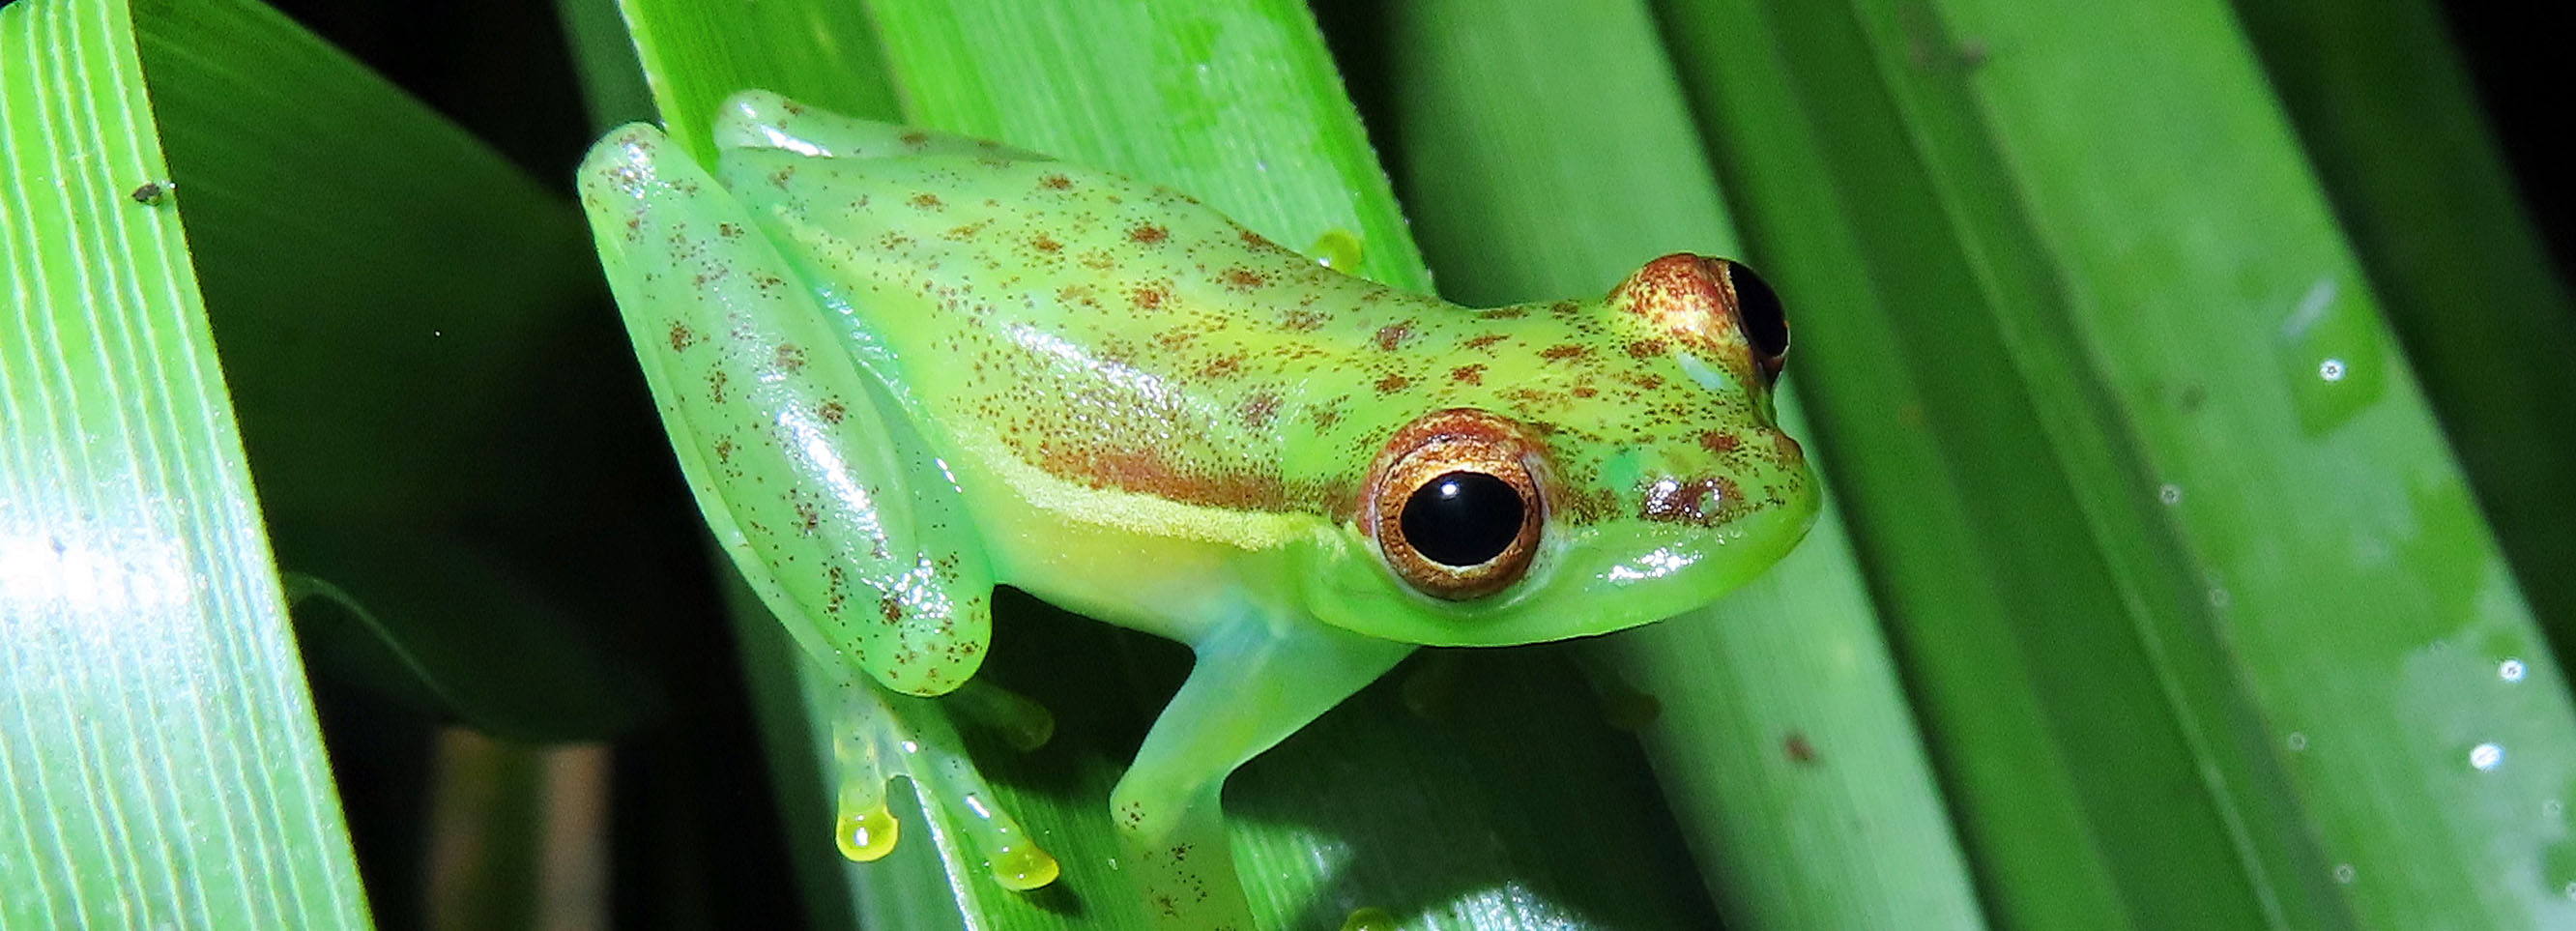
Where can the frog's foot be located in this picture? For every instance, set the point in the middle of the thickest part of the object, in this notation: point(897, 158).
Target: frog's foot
point(879, 735)
point(1186, 867)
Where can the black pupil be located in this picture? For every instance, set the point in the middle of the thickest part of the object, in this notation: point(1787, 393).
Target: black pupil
point(1462, 518)
point(1757, 311)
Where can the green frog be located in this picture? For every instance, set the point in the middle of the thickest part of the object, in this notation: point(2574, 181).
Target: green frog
point(900, 367)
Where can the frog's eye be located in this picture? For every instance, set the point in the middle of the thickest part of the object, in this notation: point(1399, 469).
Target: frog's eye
point(1454, 506)
point(1759, 317)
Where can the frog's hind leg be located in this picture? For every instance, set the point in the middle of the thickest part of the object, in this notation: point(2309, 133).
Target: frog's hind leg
point(813, 480)
point(1254, 683)
point(878, 735)
point(758, 119)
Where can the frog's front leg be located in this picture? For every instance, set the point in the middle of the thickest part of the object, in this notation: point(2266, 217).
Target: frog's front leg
point(1256, 681)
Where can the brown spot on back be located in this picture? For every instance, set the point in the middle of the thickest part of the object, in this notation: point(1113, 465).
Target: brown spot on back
point(791, 358)
point(1481, 342)
point(1222, 367)
point(925, 200)
point(1151, 297)
point(1648, 348)
point(1392, 335)
point(1468, 374)
point(729, 230)
point(1148, 234)
point(890, 608)
point(1719, 441)
point(1562, 352)
point(832, 412)
point(1302, 320)
point(682, 337)
point(1328, 414)
point(809, 517)
point(1260, 410)
point(1392, 384)
point(1045, 243)
point(1055, 182)
point(716, 380)
point(1799, 751)
point(1244, 279)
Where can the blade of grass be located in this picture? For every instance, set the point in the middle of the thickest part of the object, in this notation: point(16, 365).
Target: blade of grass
point(157, 744)
point(1784, 742)
point(1237, 103)
point(2247, 632)
point(386, 293)
point(2444, 239)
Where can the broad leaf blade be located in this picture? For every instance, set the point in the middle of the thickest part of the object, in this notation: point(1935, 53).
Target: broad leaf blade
point(2378, 94)
point(158, 744)
point(2194, 594)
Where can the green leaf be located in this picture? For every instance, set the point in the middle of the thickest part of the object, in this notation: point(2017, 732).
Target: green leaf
point(2195, 600)
point(2378, 94)
point(157, 743)
point(1784, 742)
point(394, 306)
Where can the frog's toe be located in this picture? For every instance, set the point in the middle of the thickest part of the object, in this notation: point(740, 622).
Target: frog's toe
point(883, 735)
point(1337, 249)
point(865, 829)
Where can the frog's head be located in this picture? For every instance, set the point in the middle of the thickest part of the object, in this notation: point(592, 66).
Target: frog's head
point(1621, 465)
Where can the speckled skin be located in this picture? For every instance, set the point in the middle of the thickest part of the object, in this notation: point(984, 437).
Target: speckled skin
point(900, 367)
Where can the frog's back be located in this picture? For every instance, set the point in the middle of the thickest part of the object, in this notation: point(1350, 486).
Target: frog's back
point(1105, 332)
point(1080, 330)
